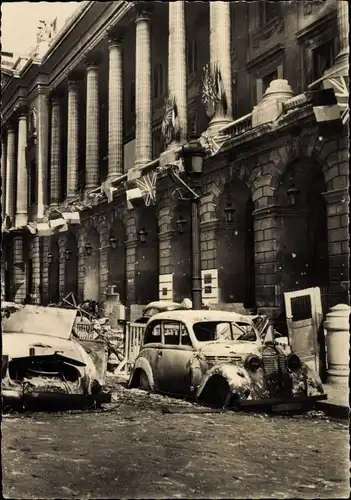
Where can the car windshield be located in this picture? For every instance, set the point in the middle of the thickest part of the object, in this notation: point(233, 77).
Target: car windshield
point(207, 331)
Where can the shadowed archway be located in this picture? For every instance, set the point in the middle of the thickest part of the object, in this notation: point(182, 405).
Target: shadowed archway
point(117, 259)
point(235, 245)
point(92, 266)
point(54, 271)
point(71, 265)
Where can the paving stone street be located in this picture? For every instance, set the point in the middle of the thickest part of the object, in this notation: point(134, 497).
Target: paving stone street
point(137, 448)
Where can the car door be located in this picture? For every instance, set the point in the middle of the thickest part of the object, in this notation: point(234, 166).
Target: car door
point(174, 359)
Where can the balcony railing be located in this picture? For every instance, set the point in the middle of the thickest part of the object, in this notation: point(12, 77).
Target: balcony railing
point(238, 126)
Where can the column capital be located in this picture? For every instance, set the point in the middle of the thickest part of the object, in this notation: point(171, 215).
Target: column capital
point(56, 96)
point(92, 61)
point(143, 11)
point(115, 36)
point(74, 78)
point(21, 109)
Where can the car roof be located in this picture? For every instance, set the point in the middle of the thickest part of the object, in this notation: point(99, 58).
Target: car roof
point(161, 304)
point(195, 316)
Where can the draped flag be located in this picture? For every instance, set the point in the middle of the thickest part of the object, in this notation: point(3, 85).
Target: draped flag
point(220, 92)
point(170, 124)
point(326, 111)
point(209, 97)
point(147, 185)
point(340, 84)
point(44, 229)
point(108, 190)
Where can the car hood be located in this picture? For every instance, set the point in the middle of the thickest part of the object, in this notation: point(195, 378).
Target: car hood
point(49, 321)
point(231, 348)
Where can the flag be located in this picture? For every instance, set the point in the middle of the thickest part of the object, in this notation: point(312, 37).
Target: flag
point(221, 95)
point(71, 217)
point(175, 118)
point(209, 97)
point(147, 185)
point(326, 111)
point(134, 197)
point(340, 84)
point(44, 229)
point(108, 190)
point(167, 121)
point(57, 223)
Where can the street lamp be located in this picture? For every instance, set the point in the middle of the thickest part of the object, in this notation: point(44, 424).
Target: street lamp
point(293, 193)
point(193, 156)
point(229, 212)
point(88, 249)
point(142, 235)
point(113, 242)
point(68, 254)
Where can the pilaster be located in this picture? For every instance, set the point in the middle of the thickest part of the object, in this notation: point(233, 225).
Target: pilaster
point(18, 270)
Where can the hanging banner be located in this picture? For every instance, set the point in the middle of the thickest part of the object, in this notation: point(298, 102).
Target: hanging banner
point(108, 190)
point(71, 217)
point(44, 229)
point(147, 185)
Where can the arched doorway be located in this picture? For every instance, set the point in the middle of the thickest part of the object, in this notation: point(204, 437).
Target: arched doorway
point(117, 260)
point(92, 266)
point(235, 245)
point(146, 282)
point(303, 231)
point(54, 271)
point(71, 265)
point(181, 251)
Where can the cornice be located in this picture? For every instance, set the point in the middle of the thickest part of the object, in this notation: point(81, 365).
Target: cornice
point(61, 71)
point(316, 27)
point(265, 57)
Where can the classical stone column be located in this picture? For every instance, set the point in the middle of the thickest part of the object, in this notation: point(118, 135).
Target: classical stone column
point(42, 151)
point(3, 178)
point(22, 178)
point(177, 63)
point(343, 22)
point(115, 107)
point(143, 96)
point(220, 55)
point(10, 172)
point(72, 138)
point(55, 178)
point(92, 127)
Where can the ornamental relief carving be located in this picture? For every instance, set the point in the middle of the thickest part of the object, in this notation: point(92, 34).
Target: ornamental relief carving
point(276, 25)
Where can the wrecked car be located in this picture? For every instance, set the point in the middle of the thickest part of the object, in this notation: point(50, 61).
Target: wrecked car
point(219, 359)
point(43, 364)
point(159, 306)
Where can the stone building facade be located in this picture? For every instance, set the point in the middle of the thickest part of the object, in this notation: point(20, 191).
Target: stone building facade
point(90, 110)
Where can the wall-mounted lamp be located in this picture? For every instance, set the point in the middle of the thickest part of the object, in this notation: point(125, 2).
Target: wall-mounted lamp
point(229, 212)
point(68, 254)
point(193, 156)
point(142, 235)
point(49, 258)
point(181, 224)
point(88, 249)
point(113, 242)
point(293, 194)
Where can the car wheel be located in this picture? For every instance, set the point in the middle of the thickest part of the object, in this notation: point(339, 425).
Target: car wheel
point(143, 381)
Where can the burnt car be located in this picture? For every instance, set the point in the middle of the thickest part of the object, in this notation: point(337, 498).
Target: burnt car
point(160, 306)
point(43, 364)
point(219, 359)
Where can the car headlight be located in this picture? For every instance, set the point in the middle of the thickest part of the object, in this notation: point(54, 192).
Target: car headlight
point(293, 362)
point(253, 363)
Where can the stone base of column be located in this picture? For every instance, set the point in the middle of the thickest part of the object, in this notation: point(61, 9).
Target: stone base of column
point(216, 124)
point(21, 220)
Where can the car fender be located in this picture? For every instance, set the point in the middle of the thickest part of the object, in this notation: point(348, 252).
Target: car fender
point(236, 377)
point(307, 380)
point(143, 364)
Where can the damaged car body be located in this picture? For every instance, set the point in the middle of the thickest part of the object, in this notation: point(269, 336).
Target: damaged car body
point(220, 359)
point(43, 365)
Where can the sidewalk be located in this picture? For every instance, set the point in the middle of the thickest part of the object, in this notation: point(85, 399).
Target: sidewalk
point(337, 404)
